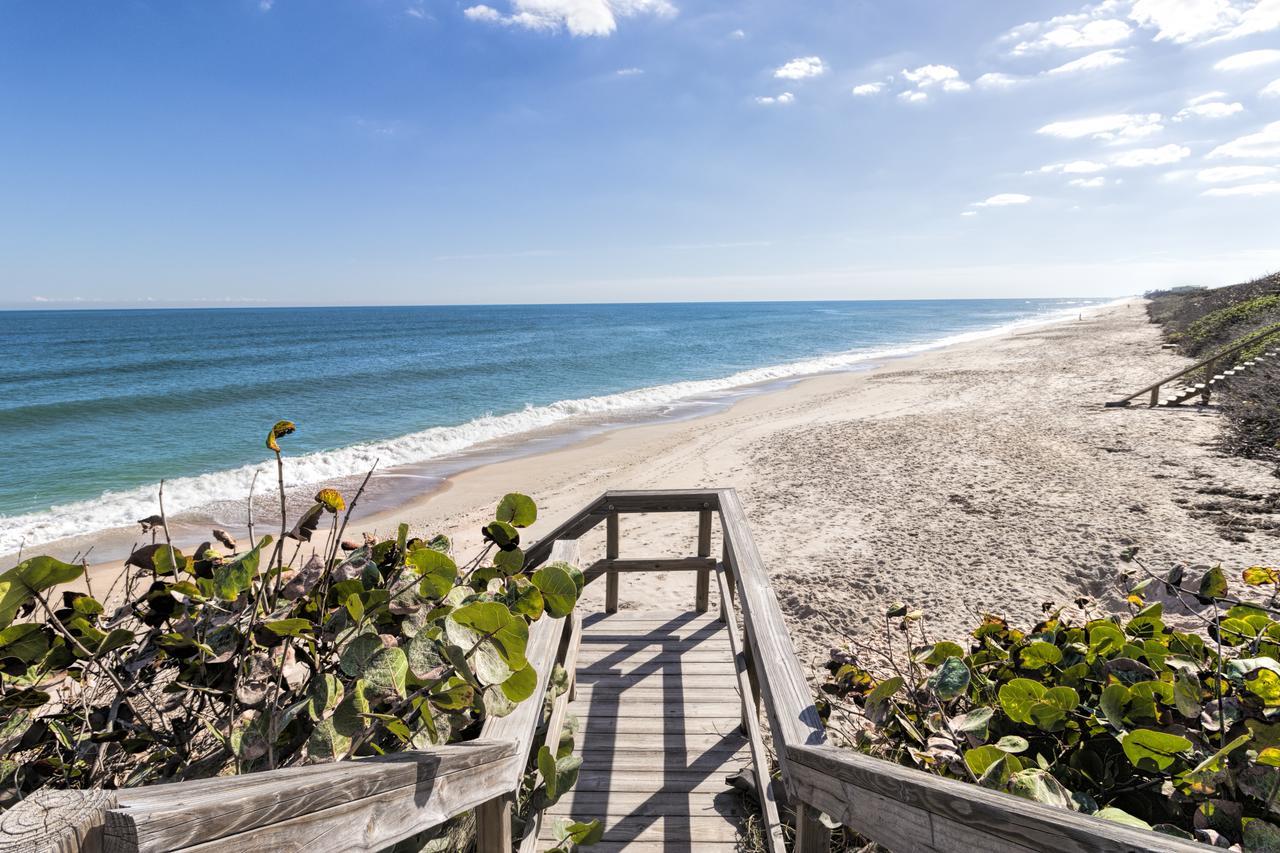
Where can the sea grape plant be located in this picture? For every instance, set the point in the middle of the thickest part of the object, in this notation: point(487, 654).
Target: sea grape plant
point(200, 663)
point(1168, 721)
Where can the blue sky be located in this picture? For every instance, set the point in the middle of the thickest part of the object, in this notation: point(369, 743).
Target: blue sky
point(428, 151)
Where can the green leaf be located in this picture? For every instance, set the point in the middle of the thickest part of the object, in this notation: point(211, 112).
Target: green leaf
point(1012, 744)
point(437, 570)
point(1040, 654)
point(521, 684)
point(501, 534)
point(882, 691)
point(169, 561)
point(348, 717)
point(19, 584)
point(1264, 684)
point(295, 627)
point(1038, 785)
point(1186, 694)
point(25, 641)
point(1148, 749)
point(950, 680)
point(327, 743)
point(234, 577)
point(423, 655)
point(509, 635)
point(355, 655)
point(117, 638)
point(1018, 696)
point(510, 562)
point(517, 510)
point(496, 703)
point(1065, 698)
point(939, 652)
point(547, 770)
point(974, 722)
point(1116, 815)
point(385, 673)
point(559, 592)
point(323, 696)
point(1112, 703)
point(453, 695)
point(1261, 836)
point(578, 833)
point(1105, 639)
point(1213, 584)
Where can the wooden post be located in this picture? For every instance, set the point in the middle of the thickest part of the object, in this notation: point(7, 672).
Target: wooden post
point(811, 835)
point(611, 553)
point(728, 570)
point(1155, 396)
point(57, 821)
point(702, 601)
point(1208, 377)
point(493, 825)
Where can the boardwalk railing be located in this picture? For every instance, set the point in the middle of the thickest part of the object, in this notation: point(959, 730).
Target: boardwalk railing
point(372, 803)
point(1209, 365)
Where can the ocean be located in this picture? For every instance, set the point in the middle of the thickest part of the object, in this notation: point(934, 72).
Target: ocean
point(96, 407)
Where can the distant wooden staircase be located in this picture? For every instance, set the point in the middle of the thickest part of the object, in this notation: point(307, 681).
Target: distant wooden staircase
point(1212, 380)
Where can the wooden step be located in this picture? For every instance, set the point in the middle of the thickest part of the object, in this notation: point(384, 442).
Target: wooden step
point(667, 828)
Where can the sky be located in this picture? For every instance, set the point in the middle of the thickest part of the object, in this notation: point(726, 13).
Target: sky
point(220, 152)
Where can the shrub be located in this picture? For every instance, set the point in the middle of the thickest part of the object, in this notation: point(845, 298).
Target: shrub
point(1214, 330)
point(218, 664)
point(1128, 719)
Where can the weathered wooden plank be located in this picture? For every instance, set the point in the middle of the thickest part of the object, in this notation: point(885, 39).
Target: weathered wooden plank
point(611, 553)
point(673, 638)
point(672, 500)
point(649, 782)
point(597, 803)
point(647, 564)
point(715, 674)
point(905, 809)
point(408, 793)
point(671, 726)
point(602, 707)
point(572, 528)
point(703, 591)
point(793, 719)
point(49, 821)
point(729, 756)
point(668, 828)
point(717, 692)
point(493, 825)
point(628, 614)
point(751, 726)
point(689, 666)
point(660, 847)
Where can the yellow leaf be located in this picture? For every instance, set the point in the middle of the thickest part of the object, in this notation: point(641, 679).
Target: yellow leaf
point(331, 500)
point(281, 429)
point(1259, 575)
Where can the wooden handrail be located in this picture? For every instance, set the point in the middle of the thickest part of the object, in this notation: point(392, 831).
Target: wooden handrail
point(1227, 353)
point(906, 809)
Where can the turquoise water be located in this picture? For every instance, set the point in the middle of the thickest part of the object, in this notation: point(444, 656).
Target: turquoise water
point(97, 406)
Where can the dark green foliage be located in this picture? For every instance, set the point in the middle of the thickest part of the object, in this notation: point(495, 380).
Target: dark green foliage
point(1131, 719)
point(230, 664)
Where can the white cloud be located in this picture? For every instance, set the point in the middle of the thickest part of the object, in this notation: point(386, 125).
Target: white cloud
point(1088, 183)
point(997, 80)
point(1003, 200)
point(629, 72)
point(1264, 143)
point(1162, 156)
point(782, 99)
point(1075, 167)
point(1209, 109)
point(1248, 190)
point(1230, 174)
point(864, 89)
point(913, 97)
point(738, 35)
point(579, 17)
point(801, 68)
point(1093, 62)
point(1248, 59)
point(968, 213)
point(1186, 21)
point(1065, 32)
point(1207, 96)
point(1115, 127)
point(1271, 90)
point(265, 5)
point(932, 75)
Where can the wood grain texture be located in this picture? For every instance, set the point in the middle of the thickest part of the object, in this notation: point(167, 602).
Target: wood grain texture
point(612, 544)
point(647, 564)
point(50, 821)
point(905, 809)
point(760, 766)
point(381, 799)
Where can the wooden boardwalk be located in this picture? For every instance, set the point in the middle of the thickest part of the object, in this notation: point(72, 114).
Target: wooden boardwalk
point(659, 712)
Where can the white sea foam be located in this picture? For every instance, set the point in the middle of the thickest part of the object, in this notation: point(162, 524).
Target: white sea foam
point(120, 509)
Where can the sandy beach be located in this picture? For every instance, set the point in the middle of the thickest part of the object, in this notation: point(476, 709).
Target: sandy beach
point(985, 476)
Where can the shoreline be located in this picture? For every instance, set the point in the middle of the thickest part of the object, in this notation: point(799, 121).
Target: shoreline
point(387, 492)
point(985, 476)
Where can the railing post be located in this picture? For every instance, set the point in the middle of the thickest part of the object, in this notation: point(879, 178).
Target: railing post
point(1155, 396)
point(811, 835)
point(702, 600)
point(1208, 377)
point(728, 570)
point(611, 553)
point(493, 825)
